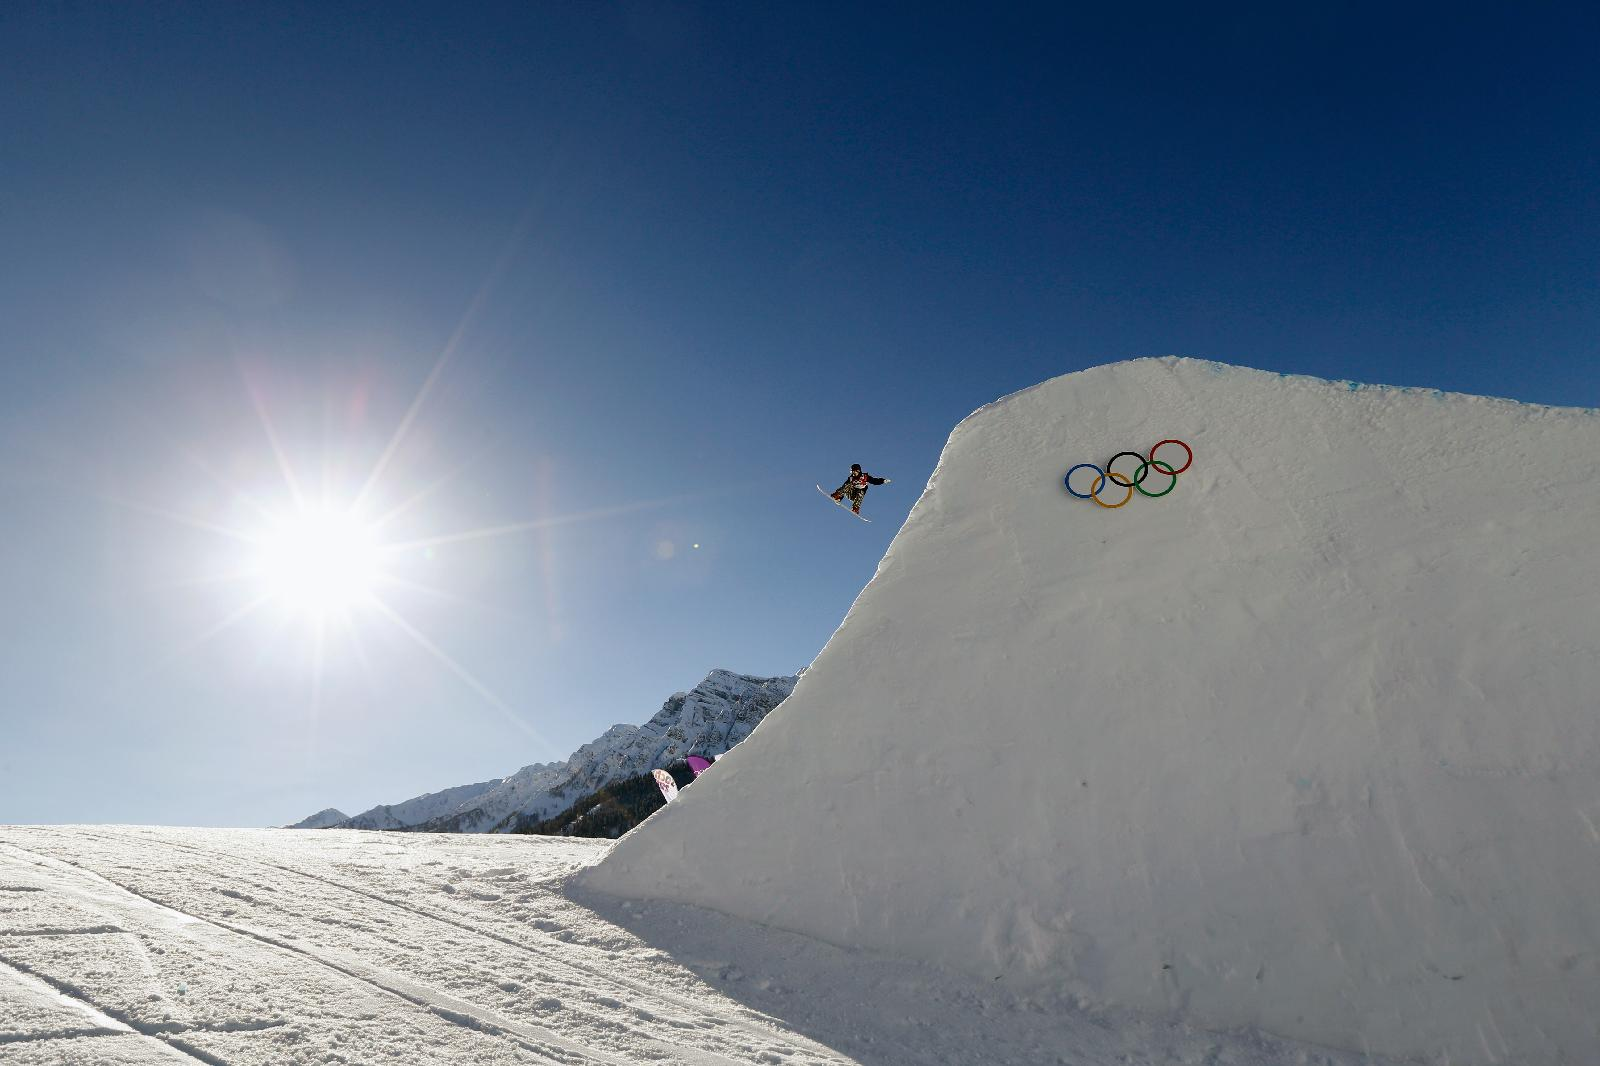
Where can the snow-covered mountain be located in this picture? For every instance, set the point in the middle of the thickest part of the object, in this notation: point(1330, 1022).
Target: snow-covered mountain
point(711, 718)
point(418, 809)
point(1310, 743)
point(329, 816)
point(715, 715)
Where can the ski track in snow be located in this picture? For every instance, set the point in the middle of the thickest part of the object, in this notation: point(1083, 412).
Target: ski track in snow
point(588, 972)
point(136, 945)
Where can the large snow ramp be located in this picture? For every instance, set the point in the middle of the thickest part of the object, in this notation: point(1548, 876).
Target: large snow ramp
point(1310, 744)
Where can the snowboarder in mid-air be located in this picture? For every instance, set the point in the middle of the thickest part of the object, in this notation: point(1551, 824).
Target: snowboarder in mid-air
point(855, 487)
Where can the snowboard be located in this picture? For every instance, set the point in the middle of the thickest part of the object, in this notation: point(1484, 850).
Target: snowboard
point(840, 503)
point(664, 781)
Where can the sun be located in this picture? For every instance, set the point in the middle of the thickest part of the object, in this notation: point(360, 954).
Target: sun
point(319, 561)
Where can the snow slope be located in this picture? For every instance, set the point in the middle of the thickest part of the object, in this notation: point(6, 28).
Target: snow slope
point(1310, 744)
point(712, 717)
point(133, 945)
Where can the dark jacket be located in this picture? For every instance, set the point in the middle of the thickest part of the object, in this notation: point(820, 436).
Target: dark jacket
point(859, 482)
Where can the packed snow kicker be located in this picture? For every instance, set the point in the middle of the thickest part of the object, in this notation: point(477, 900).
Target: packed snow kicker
point(1312, 746)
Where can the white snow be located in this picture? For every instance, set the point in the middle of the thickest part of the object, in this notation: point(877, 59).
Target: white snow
point(1311, 744)
point(135, 945)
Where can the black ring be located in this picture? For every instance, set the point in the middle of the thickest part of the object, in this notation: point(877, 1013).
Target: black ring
point(1144, 471)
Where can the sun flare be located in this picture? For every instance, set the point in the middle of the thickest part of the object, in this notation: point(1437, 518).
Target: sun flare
point(320, 561)
point(331, 579)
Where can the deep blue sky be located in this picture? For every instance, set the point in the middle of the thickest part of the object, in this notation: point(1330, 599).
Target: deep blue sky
point(652, 270)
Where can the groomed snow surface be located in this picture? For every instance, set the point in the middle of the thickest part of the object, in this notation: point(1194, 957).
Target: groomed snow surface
point(1310, 744)
point(135, 946)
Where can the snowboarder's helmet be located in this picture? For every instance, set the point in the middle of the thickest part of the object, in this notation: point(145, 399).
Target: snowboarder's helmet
point(855, 468)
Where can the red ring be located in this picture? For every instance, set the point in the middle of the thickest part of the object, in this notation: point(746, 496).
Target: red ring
point(1180, 444)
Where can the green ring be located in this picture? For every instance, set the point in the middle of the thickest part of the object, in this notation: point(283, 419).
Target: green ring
point(1162, 465)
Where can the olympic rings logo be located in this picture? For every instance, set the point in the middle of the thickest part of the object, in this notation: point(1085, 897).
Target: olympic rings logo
point(1130, 482)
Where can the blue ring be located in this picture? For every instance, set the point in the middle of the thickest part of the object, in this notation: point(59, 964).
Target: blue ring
point(1067, 481)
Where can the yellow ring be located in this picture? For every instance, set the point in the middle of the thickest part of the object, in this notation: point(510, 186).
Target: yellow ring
point(1100, 480)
